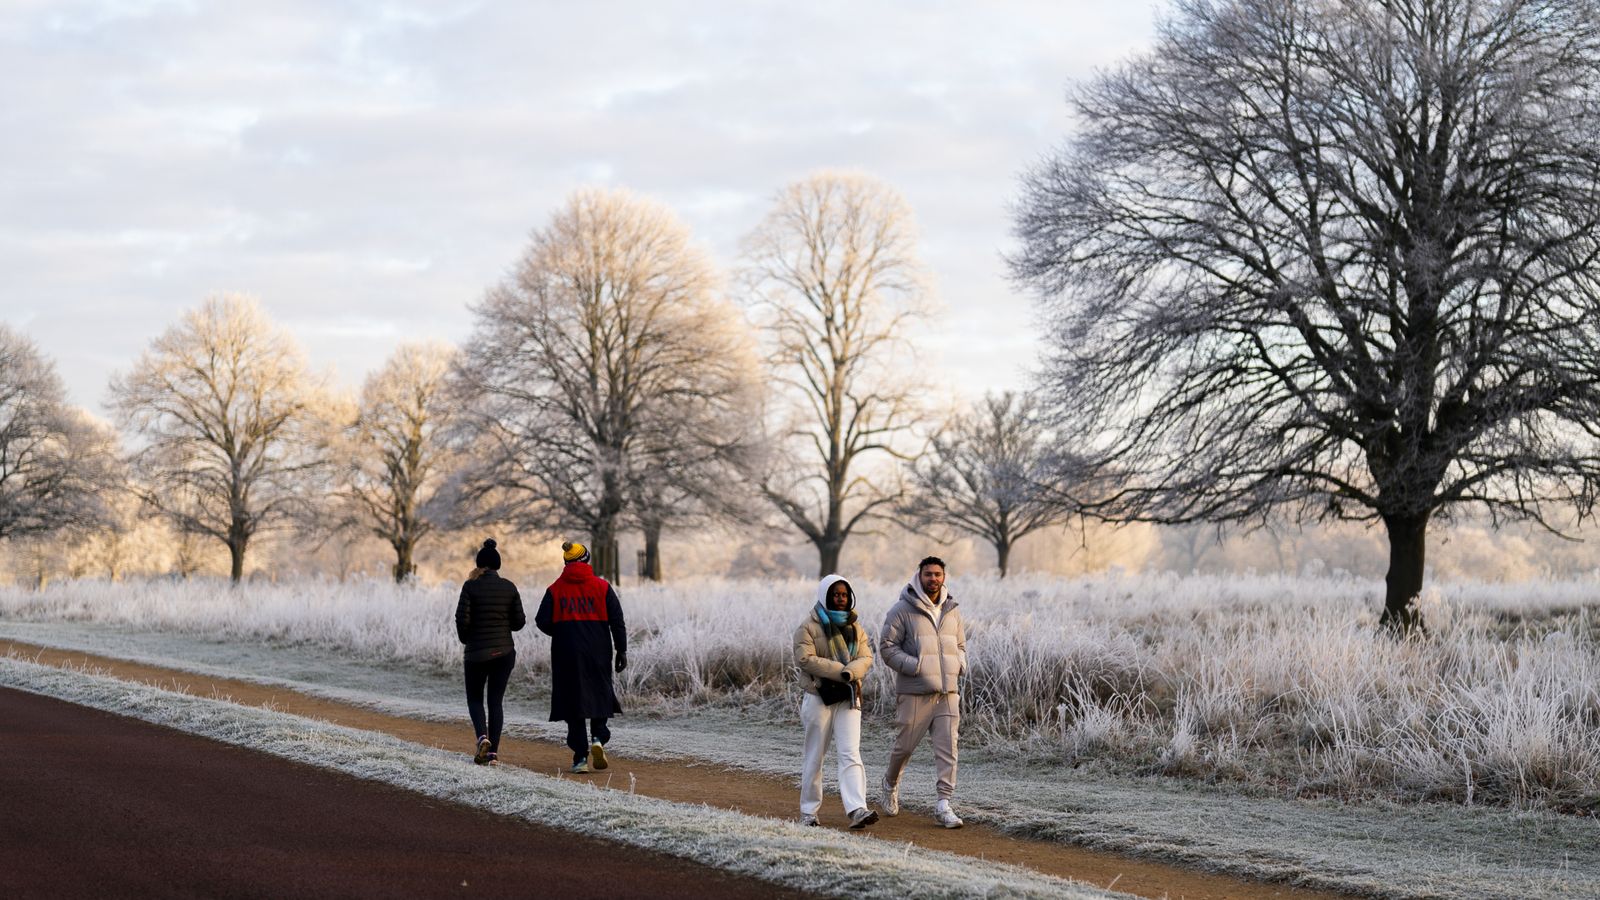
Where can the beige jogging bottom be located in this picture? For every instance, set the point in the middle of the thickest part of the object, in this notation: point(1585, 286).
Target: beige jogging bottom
point(918, 715)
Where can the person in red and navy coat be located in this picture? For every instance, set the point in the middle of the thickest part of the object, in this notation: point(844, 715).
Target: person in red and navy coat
point(583, 617)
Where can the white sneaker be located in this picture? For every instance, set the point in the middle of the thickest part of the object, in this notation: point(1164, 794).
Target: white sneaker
point(889, 798)
point(946, 816)
point(809, 821)
point(581, 767)
point(597, 756)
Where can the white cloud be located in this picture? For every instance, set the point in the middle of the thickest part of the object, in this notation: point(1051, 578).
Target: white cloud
point(381, 163)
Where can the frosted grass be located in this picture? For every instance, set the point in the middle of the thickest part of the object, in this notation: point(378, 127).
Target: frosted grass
point(1278, 683)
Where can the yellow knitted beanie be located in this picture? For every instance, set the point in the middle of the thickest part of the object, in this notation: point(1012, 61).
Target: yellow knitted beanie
point(572, 551)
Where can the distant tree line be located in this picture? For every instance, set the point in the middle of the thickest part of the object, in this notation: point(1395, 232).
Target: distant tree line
point(614, 381)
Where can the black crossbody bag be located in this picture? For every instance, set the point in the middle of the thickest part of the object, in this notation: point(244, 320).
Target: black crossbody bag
point(832, 691)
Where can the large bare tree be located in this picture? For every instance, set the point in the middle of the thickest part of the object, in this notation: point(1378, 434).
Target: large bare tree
point(1336, 258)
point(56, 464)
point(988, 474)
point(609, 326)
point(834, 268)
point(398, 454)
point(234, 431)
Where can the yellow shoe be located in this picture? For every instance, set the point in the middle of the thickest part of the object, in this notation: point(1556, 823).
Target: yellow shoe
point(597, 756)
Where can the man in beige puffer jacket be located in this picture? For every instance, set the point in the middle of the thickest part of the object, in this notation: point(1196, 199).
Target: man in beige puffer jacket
point(924, 642)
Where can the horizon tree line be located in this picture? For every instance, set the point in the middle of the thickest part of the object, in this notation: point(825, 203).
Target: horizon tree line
point(611, 383)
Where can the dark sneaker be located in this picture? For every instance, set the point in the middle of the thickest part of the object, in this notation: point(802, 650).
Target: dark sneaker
point(597, 756)
point(862, 817)
point(494, 758)
point(809, 821)
point(482, 756)
point(581, 767)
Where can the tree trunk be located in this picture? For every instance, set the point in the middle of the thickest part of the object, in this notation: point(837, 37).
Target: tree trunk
point(652, 553)
point(603, 554)
point(404, 565)
point(236, 556)
point(828, 555)
point(1002, 551)
point(1408, 536)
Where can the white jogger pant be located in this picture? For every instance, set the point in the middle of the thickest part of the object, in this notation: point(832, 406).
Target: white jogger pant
point(843, 724)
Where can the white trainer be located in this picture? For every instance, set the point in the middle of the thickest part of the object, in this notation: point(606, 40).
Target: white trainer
point(889, 798)
point(946, 816)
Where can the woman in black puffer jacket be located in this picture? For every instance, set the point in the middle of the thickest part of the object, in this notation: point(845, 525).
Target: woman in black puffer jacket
point(489, 610)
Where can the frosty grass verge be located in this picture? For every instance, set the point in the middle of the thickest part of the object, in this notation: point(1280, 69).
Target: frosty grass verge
point(1429, 850)
point(818, 860)
point(1280, 683)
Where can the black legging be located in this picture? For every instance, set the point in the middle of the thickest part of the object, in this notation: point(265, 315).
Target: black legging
point(494, 673)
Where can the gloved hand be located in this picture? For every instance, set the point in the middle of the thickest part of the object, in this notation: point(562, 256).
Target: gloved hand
point(622, 660)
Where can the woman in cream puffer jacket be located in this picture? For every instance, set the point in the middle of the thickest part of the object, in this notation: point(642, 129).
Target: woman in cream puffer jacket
point(833, 654)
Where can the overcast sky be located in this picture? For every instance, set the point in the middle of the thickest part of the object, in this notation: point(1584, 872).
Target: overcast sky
point(367, 169)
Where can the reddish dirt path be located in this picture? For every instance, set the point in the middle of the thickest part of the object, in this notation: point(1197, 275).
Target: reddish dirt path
point(695, 781)
point(99, 805)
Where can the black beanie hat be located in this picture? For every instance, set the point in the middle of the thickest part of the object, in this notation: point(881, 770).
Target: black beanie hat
point(488, 557)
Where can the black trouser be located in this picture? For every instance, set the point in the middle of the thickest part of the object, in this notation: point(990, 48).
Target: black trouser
point(579, 742)
point(493, 673)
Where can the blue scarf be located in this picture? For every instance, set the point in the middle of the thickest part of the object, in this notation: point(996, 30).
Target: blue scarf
point(834, 624)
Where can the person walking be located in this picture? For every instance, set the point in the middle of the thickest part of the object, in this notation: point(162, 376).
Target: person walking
point(583, 617)
point(489, 610)
point(924, 642)
point(833, 653)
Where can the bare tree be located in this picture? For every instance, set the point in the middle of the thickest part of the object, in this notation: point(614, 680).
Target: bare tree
point(187, 556)
point(397, 452)
point(235, 431)
point(694, 461)
point(986, 475)
point(123, 541)
point(55, 461)
point(835, 268)
point(607, 325)
point(1335, 259)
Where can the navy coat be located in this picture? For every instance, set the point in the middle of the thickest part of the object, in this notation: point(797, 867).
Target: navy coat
point(583, 617)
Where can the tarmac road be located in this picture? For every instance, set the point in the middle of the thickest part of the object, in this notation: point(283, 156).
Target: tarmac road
point(98, 805)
